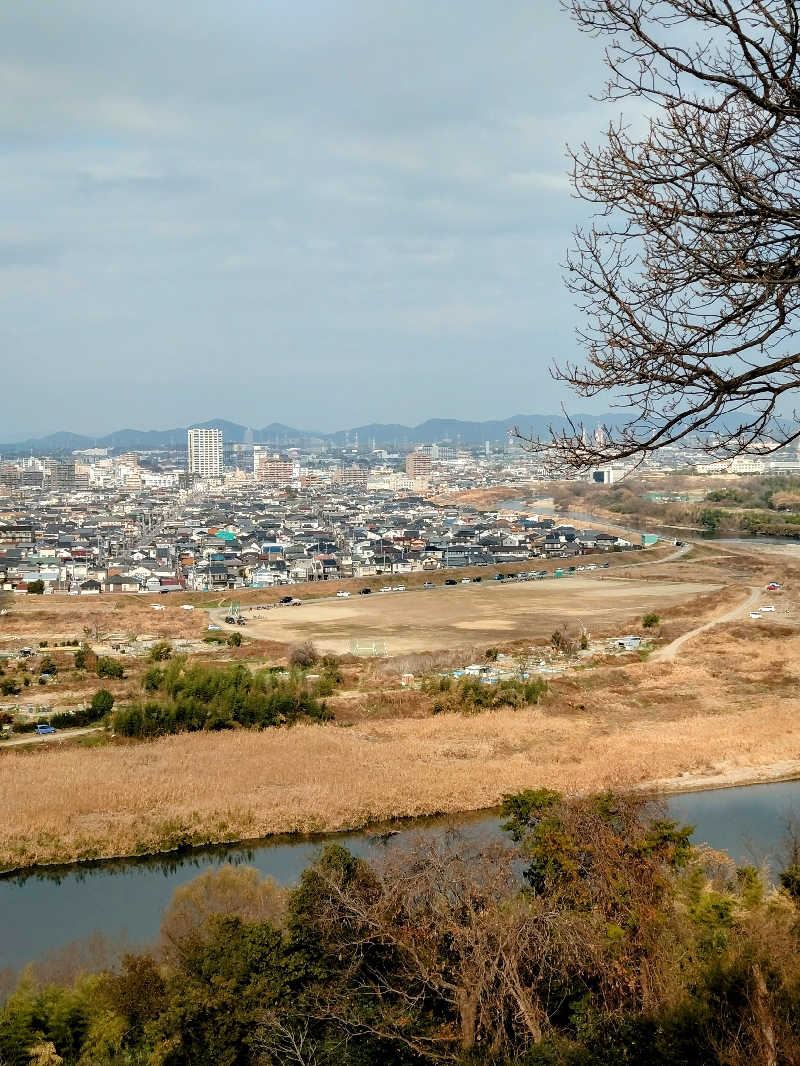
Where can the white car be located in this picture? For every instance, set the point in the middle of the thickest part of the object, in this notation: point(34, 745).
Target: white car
point(212, 628)
point(186, 607)
point(342, 595)
point(767, 607)
point(399, 588)
point(156, 606)
point(754, 614)
point(386, 588)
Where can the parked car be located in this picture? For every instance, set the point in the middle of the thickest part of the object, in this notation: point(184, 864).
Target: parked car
point(773, 586)
point(230, 619)
point(450, 581)
point(386, 588)
point(477, 580)
point(343, 595)
point(767, 607)
point(241, 621)
point(212, 628)
point(285, 599)
point(465, 581)
point(399, 588)
point(43, 729)
point(365, 592)
point(294, 602)
point(429, 585)
point(498, 577)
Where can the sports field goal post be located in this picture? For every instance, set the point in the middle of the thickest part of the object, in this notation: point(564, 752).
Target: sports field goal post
point(366, 649)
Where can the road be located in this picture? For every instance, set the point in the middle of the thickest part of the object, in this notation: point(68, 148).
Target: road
point(668, 653)
point(61, 734)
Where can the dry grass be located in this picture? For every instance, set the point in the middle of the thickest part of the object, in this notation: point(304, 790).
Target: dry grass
point(214, 787)
point(728, 706)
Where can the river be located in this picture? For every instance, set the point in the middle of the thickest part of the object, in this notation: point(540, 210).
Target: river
point(47, 909)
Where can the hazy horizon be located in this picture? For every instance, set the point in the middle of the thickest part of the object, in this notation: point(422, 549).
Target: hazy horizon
point(321, 214)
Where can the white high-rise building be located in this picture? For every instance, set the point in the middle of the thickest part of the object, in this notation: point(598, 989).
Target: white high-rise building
point(205, 452)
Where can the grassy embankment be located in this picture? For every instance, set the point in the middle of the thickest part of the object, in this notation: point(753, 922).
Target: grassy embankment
point(753, 505)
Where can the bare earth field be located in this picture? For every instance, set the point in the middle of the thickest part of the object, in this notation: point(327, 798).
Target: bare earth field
point(447, 616)
point(725, 709)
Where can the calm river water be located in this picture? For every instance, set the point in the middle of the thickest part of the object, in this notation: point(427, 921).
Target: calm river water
point(49, 909)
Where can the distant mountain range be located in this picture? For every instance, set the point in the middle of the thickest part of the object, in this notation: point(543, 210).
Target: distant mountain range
point(430, 432)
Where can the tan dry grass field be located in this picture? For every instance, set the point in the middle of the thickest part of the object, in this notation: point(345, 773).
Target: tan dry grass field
point(490, 612)
point(725, 710)
point(627, 729)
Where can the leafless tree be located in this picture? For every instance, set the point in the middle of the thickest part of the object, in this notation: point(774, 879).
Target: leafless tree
point(688, 275)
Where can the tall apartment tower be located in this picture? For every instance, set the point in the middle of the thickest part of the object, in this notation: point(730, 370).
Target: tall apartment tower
point(418, 464)
point(205, 452)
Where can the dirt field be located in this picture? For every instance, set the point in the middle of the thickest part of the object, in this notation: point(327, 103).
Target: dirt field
point(490, 612)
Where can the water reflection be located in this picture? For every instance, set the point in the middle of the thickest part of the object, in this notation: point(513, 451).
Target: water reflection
point(48, 908)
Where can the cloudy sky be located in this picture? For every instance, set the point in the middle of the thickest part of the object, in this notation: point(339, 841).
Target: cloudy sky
point(320, 212)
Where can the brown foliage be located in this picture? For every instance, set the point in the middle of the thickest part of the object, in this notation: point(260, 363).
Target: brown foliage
point(230, 890)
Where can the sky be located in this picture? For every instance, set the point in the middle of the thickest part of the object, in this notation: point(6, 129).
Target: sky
point(323, 213)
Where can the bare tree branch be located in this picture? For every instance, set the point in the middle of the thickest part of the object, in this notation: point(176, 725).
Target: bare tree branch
point(689, 276)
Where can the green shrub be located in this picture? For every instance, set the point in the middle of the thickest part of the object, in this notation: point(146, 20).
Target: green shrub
point(235, 640)
point(48, 666)
point(201, 697)
point(651, 620)
point(160, 651)
point(108, 667)
point(35, 588)
point(470, 694)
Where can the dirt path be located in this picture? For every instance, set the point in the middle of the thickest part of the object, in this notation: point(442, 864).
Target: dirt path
point(40, 738)
point(668, 653)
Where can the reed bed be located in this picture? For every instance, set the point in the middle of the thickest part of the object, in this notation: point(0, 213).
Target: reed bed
point(198, 788)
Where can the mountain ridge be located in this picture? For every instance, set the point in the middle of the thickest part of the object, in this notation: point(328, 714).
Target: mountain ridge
point(428, 432)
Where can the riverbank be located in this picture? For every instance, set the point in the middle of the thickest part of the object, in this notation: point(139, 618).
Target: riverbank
point(200, 789)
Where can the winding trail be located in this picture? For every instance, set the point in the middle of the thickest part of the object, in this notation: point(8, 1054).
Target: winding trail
point(668, 653)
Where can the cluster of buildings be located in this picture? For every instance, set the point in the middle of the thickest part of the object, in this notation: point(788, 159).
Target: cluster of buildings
point(260, 535)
